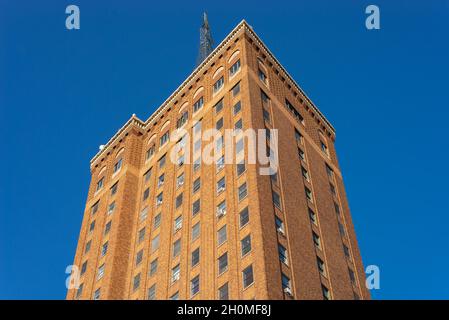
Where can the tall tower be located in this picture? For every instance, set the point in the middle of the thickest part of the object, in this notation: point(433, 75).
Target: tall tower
point(155, 227)
point(206, 41)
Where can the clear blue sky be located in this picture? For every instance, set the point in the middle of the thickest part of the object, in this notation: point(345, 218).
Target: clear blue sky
point(63, 93)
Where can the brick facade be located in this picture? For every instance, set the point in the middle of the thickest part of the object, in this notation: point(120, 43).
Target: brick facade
point(124, 278)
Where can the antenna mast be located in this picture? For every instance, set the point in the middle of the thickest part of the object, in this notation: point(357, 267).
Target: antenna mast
point(206, 41)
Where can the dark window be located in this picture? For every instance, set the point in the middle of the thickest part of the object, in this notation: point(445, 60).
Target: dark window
point(218, 84)
point(157, 221)
point(305, 173)
point(183, 119)
point(298, 136)
point(316, 240)
point(195, 257)
point(152, 292)
point(100, 184)
point(150, 152)
point(114, 189)
point(238, 125)
point(146, 194)
point(196, 229)
point(276, 199)
point(243, 191)
point(97, 294)
point(80, 290)
point(141, 235)
point(223, 263)
point(324, 148)
point(279, 225)
point(246, 245)
point(301, 154)
point(159, 199)
point(266, 115)
point(178, 223)
point(111, 207)
point(164, 139)
point(94, 208)
point(312, 216)
point(237, 107)
point(175, 296)
point(160, 180)
point(346, 251)
point(107, 227)
point(236, 89)
point(264, 96)
point(219, 124)
point(329, 171)
point(198, 104)
point(333, 191)
point(241, 168)
point(222, 236)
point(283, 255)
point(221, 185)
point(341, 229)
point(178, 201)
point(285, 282)
point(321, 266)
point(262, 76)
point(218, 106)
point(92, 226)
point(136, 283)
point(196, 207)
point(248, 277)
point(118, 165)
point(104, 248)
point(351, 275)
point(139, 257)
point(176, 248)
point(195, 285)
point(155, 243)
point(337, 208)
point(308, 194)
point(234, 68)
point(326, 293)
point(162, 161)
point(88, 244)
point(175, 273)
point(223, 292)
point(244, 217)
point(196, 185)
point(153, 267)
point(147, 175)
point(83, 268)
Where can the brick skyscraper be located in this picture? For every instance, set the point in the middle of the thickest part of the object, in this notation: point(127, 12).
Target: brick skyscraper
point(154, 229)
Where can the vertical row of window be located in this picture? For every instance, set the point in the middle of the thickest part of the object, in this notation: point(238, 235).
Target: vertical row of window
point(155, 222)
point(341, 228)
point(107, 228)
point(277, 202)
point(312, 215)
point(244, 216)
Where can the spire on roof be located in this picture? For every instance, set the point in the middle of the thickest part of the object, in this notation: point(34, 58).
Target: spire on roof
point(206, 41)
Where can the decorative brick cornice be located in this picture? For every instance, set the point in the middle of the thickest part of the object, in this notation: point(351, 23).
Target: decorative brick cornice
point(133, 122)
point(242, 27)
